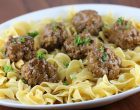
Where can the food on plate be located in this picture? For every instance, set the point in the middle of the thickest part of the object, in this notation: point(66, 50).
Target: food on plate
point(20, 48)
point(77, 46)
point(87, 20)
point(102, 61)
point(36, 71)
point(81, 57)
point(122, 32)
point(54, 36)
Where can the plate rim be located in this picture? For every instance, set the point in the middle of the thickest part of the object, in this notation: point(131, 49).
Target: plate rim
point(25, 106)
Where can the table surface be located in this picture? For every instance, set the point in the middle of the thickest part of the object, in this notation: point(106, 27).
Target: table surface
point(12, 8)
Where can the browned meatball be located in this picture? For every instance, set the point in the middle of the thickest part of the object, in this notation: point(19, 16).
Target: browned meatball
point(123, 34)
point(20, 48)
point(102, 60)
point(37, 71)
point(54, 37)
point(76, 47)
point(88, 20)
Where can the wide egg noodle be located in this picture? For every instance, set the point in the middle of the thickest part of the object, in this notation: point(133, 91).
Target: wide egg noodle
point(104, 88)
point(8, 81)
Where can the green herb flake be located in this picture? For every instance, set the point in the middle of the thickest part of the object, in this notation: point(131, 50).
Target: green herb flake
point(33, 34)
point(7, 68)
point(87, 41)
point(21, 39)
point(104, 53)
point(102, 49)
point(120, 21)
point(40, 55)
point(66, 64)
point(65, 83)
point(78, 41)
point(104, 56)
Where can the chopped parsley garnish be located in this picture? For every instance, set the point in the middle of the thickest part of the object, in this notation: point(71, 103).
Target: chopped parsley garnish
point(87, 41)
point(7, 68)
point(40, 55)
point(66, 64)
point(33, 34)
point(21, 39)
point(101, 49)
point(79, 41)
point(120, 21)
point(104, 54)
point(65, 83)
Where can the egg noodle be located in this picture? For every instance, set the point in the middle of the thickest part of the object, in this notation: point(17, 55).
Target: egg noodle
point(82, 85)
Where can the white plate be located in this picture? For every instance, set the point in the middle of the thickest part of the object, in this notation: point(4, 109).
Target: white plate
point(117, 10)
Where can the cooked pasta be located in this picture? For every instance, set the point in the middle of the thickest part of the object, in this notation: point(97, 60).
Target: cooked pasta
point(76, 82)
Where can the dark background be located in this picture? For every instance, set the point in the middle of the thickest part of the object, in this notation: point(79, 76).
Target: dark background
point(13, 8)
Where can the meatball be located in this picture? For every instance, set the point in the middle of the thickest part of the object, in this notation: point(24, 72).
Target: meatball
point(20, 48)
point(36, 71)
point(76, 47)
point(54, 37)
point(88, 20)
point(101, 61)
point(123, 34)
